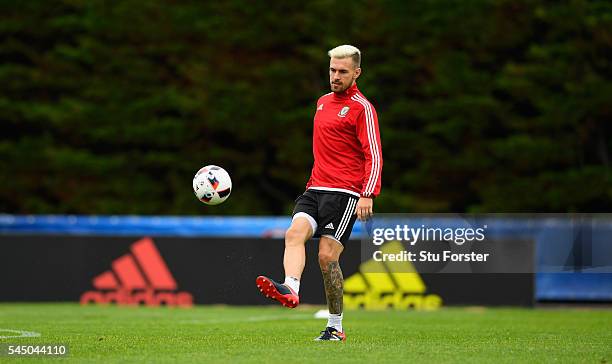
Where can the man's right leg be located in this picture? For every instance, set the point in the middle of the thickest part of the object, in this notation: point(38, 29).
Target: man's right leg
point(294, 260)
point(295, 251)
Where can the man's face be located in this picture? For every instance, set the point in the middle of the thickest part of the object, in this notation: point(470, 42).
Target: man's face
point(342, 73)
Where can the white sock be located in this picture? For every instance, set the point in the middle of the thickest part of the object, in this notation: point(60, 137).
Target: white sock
point(335, 321)
point(293, 283)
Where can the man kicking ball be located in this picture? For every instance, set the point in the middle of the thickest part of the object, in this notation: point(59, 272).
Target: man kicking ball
point(345, 178)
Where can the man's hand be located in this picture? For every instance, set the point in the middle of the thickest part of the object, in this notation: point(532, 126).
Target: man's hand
point(364, 208)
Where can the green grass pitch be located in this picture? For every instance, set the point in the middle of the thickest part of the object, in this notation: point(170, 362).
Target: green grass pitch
point(97, 334)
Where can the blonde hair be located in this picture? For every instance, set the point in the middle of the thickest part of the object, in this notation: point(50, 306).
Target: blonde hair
point(345, 51)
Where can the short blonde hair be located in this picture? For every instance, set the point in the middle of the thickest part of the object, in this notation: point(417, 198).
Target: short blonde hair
point(345, 51)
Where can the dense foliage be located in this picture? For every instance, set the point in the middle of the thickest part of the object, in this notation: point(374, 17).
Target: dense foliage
point(111, 107)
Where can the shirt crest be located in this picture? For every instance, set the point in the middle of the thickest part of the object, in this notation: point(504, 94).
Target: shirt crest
point(343, 112)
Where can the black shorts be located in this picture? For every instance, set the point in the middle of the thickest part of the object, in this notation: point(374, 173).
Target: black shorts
point(330, 214)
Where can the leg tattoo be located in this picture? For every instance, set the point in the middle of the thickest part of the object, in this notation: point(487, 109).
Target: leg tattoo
point(334, 282)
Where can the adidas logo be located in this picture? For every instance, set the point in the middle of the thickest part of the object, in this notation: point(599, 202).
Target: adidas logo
point(138, 278)
point(320, 107)
point(329, 226)
point(380, 285)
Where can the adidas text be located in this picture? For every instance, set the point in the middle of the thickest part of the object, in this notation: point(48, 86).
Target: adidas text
point(147, 298)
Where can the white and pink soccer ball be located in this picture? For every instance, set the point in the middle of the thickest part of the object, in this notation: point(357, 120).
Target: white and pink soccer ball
point(212, 185)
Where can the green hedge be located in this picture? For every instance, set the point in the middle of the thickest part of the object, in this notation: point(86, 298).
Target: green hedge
point(484, 106)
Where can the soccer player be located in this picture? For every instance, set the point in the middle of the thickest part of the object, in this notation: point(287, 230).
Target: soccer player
point(345, 178)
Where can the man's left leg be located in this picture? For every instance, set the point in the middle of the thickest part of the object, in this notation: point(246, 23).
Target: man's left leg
point(329, 262)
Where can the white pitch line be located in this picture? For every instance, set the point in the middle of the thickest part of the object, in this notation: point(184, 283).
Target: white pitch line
point(20, 332)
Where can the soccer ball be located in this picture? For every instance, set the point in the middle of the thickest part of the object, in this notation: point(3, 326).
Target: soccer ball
point(212, 185)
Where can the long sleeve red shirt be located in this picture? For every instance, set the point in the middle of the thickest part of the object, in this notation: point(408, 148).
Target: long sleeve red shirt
point(346, 145)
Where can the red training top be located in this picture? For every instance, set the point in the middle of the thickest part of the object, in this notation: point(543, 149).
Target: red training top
point(346, 145)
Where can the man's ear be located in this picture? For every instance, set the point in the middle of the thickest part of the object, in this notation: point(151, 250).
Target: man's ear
point(357, 72)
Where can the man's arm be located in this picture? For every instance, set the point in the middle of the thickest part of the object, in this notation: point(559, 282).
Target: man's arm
point(369, 137)
point(365, 208)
